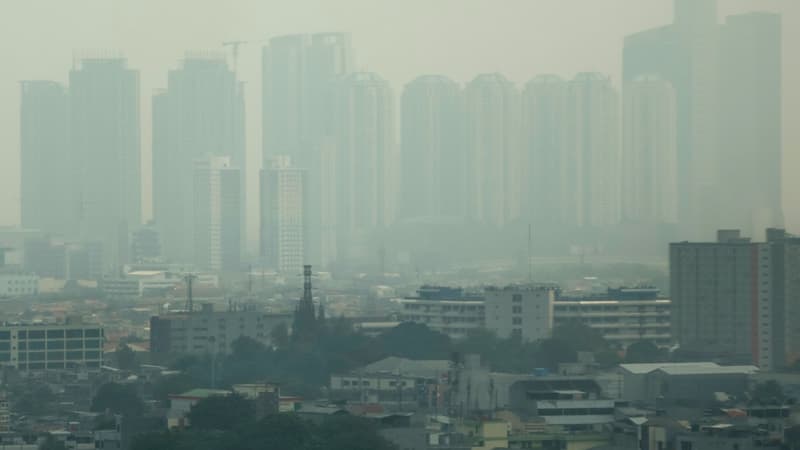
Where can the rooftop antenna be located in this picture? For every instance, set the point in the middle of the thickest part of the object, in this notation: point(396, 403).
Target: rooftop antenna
point(189, 279)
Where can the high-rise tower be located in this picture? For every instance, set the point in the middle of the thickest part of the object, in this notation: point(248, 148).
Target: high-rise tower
point(433, 156)
point(284, 227)
point(105, 153)
point(44, 148)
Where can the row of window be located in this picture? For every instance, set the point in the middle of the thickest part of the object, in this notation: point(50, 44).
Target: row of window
point(58, 365)
point(52, 356)
point(53, 334)
point(50, 345)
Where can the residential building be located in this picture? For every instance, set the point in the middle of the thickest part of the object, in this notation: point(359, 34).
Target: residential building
point(649, 159)
point(623, 316)
point(447, 310)
point(492, 147)
point(736, 298)
point(210, 332)
point(432, 153)
point(217, 214)
point(44, 156)
point(525, 311)
point(593, 152)
point(105, 154)
point(297, 91)
point(544, 125)
point(284, 212)
point(5, 414)
point(39, 347)
point(367, 160)
point(200, 113)
point(140, 283)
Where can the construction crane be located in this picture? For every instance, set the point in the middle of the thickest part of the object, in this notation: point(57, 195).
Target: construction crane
point(234, 45)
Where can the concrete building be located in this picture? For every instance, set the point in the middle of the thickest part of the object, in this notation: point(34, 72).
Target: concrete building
point(181, 404)
point(623, 316)
point(649, 158)
point(210, 332)
point(44, 153)
point(200, 113)
point(284, 212)
point(5, 414)
point(544, 125)
point(140, 283)
point(432, 153)
point(105, 154)
point(593, 152)
point(737, 298)
point(492, 146)
point(447, 310)
point(367, 159)
point(519, 310)
point(14, 284)
point(690, 381)
point(217, 214)
point(298, 72)
point(39, 347)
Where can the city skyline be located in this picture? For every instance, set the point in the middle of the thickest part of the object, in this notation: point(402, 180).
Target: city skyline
point(660, 14)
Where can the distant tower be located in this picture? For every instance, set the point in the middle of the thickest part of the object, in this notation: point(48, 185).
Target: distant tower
point(217, 214)
point(305, 321)
point(283, 215)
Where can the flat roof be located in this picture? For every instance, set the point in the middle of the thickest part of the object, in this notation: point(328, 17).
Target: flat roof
point(650, 367)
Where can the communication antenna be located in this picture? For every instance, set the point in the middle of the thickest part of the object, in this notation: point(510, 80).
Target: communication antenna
point(189, 279)
point(530, 264)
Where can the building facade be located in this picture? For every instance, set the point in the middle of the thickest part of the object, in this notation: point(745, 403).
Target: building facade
point(210, 332)
point(284, 212)
point(737, 298)
point(217, 214)
point(518, 310)
point(34, 348)
point(432, 148)
point(200, 113)
point(105, 154)
point(14, 284)
point(649, 158)
point(44, 153)
point(447, 310)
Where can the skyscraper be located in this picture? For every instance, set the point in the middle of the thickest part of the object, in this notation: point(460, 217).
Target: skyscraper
point(367, 159)
point(200, 113)
point(297, 91)
point(283, 216)
point(216, 214)
point(592, 162)
point(492, 146)
point(44, 199)
point(649, 177)
point(544, 125)
point(750, 121)
point(105, 153)
point(432, 153)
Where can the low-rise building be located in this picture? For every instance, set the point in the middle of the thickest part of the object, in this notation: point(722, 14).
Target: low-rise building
point(623, 316)
point(450, 311)
point(209, 331)
point(140, 283)
point(39, 347)
point(525, 311)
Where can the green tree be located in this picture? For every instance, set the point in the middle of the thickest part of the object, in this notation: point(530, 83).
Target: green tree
point(221, 412)
point(580, 337)
point(172, 384)
point(118, 399)
point(280, 335)
point(415, 341)
point(768, 393)
point(126, 358)
point(352, 433)
point(246, 348)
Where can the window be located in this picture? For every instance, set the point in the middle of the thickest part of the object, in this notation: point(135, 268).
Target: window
point(36, 334)
point(71, 334)
point(516, 321)
point(516, 309)
point(516, 298)
point(55, 334)
point(55, 345)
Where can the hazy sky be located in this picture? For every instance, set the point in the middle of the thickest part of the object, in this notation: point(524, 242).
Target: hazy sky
point(399, 39)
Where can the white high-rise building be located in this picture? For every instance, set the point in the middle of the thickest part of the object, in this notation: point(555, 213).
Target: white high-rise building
point(649, 169)
point(216, 214)
point(492, 147)
point(283, 216)
point(200, 113)
point(105, 154)
point(592, 160)
point(367, 160)
point(433, 181)
point(544, 125)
